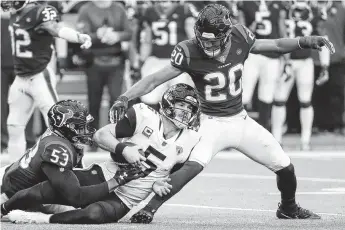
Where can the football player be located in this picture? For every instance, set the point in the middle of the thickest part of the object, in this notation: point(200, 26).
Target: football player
point(302, 21)
point(166, 138)
point(165, 24)
point(266, 19)
point(33, 27)
point(56, 152)
point(214, 59)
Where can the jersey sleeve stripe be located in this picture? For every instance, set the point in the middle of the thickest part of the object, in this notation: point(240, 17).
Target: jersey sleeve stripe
point(47, 76)
point(241, 30)
point(186, 51)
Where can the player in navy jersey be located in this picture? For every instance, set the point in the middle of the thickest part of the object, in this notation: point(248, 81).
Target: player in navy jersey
point(214, 59)
point(33, 27)
point(52, 158)
point(302, 20)
point(266, 19)
point(165, 24)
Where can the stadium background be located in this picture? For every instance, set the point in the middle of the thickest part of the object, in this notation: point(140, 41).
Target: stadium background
point(73, 85)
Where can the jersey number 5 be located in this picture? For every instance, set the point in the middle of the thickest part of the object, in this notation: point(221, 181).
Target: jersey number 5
point(232, 82)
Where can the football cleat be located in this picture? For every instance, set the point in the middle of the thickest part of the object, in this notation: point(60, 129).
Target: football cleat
point(22, 217)
point(142, 217)
point(296, 213)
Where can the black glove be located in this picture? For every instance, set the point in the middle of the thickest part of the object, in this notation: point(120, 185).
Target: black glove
point(135, 74)
point(315, 42)
point(142, 217)
point(118, 110)
point(123, 176)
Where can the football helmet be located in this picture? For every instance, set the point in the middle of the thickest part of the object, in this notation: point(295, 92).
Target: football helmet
point(70, 119)
point(182, 118)
point(7, 5)
point(301, 11)
point(212, 29)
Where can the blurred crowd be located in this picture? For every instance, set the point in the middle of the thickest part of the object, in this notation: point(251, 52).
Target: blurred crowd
point(135, 38)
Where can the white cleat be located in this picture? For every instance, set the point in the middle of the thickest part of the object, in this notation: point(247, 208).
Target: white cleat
point(22, 217)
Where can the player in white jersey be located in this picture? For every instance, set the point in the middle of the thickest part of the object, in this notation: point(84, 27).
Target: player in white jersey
point(166, 138)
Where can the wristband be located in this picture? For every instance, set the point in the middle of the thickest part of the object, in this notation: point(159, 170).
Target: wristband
point(123, 98)
point(120, 147)
point(299, 45)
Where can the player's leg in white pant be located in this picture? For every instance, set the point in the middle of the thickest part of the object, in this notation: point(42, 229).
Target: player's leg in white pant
point(250, 77)
point(259, 145)
point(152, 65)
point(281, 95)
point(270, 71)
point(305, 84)
point(43, 90)
point(21, 107)
point(216, 136)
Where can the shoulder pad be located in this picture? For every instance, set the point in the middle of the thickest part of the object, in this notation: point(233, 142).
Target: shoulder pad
point(47, 13)
point(57, 151)
point(180, 56)
point(245, 33)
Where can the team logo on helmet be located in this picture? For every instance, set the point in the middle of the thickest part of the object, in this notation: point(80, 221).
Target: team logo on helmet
point(61, 115)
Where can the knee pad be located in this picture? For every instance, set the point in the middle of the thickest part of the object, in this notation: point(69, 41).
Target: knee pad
point(305, 104)
point(287, 171)
point(95, 213)
point(279, 103)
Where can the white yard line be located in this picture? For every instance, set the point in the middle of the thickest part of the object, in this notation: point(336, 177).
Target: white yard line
point(248, 176)
point(238, 209)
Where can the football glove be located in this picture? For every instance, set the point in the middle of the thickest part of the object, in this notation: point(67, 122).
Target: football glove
point(315, 42)
point(323, 76)
point(118, 109)
point(123, 176)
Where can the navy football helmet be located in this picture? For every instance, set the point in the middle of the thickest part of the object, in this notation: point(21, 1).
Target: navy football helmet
point(212, 29)
point(70, 119)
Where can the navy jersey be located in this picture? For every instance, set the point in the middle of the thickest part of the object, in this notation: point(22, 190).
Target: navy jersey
point(27, 171)
point(31, 46)
point(267, 18)
point(219, 83)
point(167, 29)
point(304, 28)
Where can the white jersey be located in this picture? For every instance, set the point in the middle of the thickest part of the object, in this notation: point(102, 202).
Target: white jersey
point(164, 153)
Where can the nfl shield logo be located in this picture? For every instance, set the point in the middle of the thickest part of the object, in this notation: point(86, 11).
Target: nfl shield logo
point(179, 149)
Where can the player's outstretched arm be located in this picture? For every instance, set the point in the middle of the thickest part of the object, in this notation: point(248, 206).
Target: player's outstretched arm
point(178, 180)
point(57, 29)
point(287, 45)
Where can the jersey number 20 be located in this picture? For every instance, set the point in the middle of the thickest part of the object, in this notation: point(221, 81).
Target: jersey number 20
point(215, 93)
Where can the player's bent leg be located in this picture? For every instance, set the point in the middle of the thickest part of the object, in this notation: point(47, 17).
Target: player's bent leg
point(269, 74)
point(42, 193)
point(21, 107)
point(305, 84)
point(107, 211)
point(43, 90)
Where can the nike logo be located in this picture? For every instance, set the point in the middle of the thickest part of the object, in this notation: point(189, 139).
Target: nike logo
point(223, 66)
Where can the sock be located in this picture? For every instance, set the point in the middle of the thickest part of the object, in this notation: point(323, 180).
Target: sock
point(306, 118)
point(287, 184)
point(278, 119)
point(16, 142)
point(265, 114)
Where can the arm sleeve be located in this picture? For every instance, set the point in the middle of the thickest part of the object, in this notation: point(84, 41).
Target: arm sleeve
point(68, 185)
point(127, 126)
